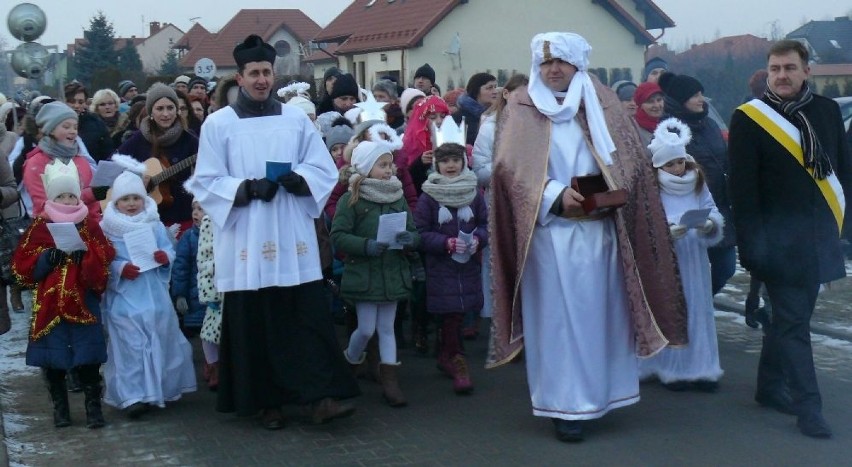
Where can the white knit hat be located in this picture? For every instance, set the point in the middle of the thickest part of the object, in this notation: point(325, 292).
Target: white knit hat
point(669, 143)
point(407, 95)
point(365, 155)
point(128, 183)
point(60, 178)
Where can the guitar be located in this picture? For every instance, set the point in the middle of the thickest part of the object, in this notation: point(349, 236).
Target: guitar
point(156, 175)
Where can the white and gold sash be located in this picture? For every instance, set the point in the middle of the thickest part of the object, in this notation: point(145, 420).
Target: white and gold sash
point(790, 138)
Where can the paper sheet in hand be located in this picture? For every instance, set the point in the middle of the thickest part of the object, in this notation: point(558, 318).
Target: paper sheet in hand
point(275, 169)
point(65, 236)
point(694, 218)
point(467, 238)
point(106, 173)
point(141, 245)
point(389, 226)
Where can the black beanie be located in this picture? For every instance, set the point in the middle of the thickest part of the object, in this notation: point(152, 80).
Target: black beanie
point(345, 85)
point(425, 71)
point(477, 81)
point(253, 49)
point(332, 72)
point(679, 87)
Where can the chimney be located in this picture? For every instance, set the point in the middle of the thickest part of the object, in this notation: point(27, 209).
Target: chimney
point(154, 27)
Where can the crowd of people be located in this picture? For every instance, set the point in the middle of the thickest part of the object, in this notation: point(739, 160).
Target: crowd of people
point(591, 224)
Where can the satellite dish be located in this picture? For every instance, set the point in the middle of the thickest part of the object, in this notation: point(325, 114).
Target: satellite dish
point(30, 59)
point(26, 22)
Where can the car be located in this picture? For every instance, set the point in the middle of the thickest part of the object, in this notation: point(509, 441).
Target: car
point(845, 104)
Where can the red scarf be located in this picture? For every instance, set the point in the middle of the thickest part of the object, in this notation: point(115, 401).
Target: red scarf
point(646, 121)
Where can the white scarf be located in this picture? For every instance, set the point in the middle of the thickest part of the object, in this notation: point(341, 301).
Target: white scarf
point(457, 192)
point(117, 224)
point(677, 185)
point(580, 90)
point(377, 190)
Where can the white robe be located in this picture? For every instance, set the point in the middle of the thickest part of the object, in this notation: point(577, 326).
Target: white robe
point(580, 354)
point(150, 360)
point(262, 244)
point(699, 360)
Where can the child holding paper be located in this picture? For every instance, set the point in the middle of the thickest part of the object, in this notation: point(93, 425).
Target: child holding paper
point(66, 330)
point(452, 219)
point(184, 288)
point(682, 189)
point(375, 275)
point(150, 361)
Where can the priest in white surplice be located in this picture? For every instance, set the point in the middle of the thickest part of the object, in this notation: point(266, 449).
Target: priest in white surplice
point(565, 283)
point(278, 343)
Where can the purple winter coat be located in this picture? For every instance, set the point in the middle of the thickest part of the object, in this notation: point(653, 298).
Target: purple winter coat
point(451, 287)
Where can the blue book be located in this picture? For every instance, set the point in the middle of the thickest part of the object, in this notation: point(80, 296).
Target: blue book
point(275, 169)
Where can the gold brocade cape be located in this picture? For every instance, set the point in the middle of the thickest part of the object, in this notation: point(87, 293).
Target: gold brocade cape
point(652, 280)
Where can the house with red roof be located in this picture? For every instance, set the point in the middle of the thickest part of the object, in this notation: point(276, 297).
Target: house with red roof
point(152, 49)
point(374, 38)
point(288, 30)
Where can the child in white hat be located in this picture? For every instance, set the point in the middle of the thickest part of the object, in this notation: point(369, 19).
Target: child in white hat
point(66, 331)
point(682, 189)
point(150, 360)
point(375, 277)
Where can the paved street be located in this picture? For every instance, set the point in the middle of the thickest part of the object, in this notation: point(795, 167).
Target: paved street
point(491, 427)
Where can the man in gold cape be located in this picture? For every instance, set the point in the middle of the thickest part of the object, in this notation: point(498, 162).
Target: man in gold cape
point(587, 293)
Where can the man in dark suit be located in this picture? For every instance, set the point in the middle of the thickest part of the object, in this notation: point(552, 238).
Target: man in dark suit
point(789, 168)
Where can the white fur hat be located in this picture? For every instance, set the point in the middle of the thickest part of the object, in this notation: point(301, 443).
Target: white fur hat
point(128, 183)
point(307, 106)
point(669, 143)
point(365, 155)
point(60, 178)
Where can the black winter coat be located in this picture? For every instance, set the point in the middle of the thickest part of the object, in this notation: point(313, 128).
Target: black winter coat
point(786, 232)
point(95, 135)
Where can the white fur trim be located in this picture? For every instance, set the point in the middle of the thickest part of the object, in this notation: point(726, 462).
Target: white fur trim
point(379, 131)
point(130, 163)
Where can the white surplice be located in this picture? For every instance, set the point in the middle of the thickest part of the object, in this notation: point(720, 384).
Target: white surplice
point(263, 244)
point(580, 354)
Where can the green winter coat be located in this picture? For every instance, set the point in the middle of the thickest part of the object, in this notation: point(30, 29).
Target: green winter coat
point(385, 278)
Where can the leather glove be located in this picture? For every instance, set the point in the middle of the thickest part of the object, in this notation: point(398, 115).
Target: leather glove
point(677, 230)
point(474, 245)
point(130, 271)
point(456, 245)
point(418, 272)
point(181, 306)
point(55, 257)
point(261, 189)
point(708, 227)
point(374, 248)
point(100, 192)
point(77, 256)
point(161, 257)
point(295, 184)
point(405, 238)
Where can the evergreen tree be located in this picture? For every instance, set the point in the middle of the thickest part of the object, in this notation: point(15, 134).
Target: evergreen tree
point(128, 58)
point(170, 65)
point(97, 54)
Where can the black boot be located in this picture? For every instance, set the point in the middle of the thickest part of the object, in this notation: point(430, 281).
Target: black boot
point(59, 396)
point(91, 379)
point(73, 383)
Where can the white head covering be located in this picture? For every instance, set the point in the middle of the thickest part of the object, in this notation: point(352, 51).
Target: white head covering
point(307, 106)
point(669, 143)
point(128, 183)
point(365, 155)
point(573, 49)
point(60, 178)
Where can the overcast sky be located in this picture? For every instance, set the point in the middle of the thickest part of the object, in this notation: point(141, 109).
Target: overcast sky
point(68, 18)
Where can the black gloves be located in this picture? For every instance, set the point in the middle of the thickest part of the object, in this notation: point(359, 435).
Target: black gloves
point(77, 256)
point(55, 257)
point(295, 184)
point(250, 189)
point(405, 238)
point(100, 192)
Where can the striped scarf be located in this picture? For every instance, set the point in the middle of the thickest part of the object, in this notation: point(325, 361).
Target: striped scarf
point(815, 156)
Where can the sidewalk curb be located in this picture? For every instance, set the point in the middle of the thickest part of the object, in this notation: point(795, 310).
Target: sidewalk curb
point(724, 304)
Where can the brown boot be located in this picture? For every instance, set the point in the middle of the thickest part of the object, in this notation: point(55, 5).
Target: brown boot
point(390, 385)
point(17, 303)
point(328, 409)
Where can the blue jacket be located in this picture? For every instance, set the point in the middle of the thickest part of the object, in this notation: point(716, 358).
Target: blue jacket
point(185, 277)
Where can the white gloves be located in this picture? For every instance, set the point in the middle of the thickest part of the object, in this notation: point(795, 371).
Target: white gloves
point(708, 227)
point(181, 306)
point(677, 230)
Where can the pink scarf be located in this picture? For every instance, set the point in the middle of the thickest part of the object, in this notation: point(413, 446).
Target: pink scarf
point(63, 213)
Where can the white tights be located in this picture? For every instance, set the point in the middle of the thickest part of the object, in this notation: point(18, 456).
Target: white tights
point(373, 317)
